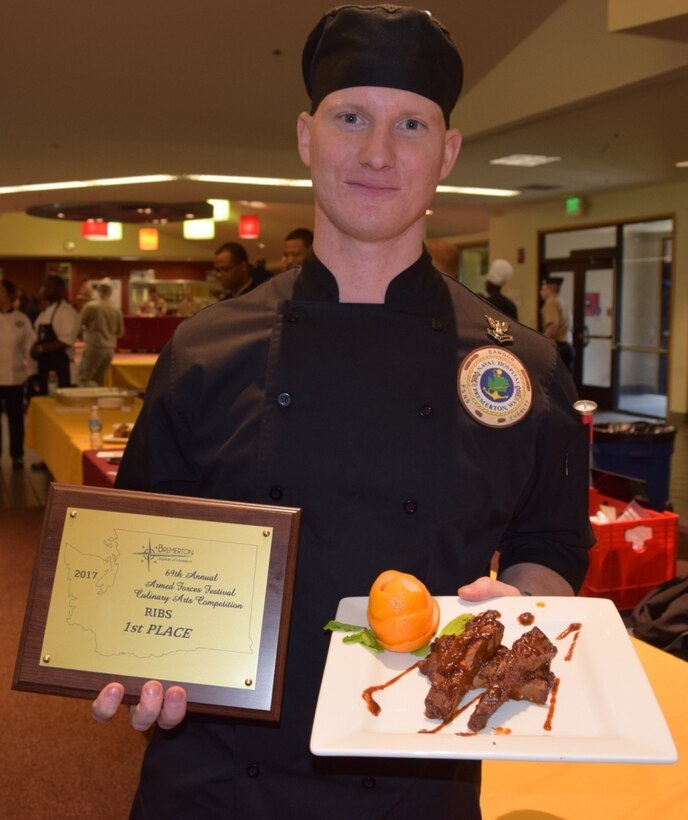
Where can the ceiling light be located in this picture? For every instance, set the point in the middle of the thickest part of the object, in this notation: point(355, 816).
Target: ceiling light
point(524, 160)
point(468, 191)
point(682, 164)
point(98, 231)
point(234, 180)
point(220, 209)
point(85, 183)
point(149, 239)
point(198, 229)
point(249, 226)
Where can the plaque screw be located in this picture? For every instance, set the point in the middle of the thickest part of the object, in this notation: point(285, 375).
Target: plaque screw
point(46, 658)
point(248, 682)
point(266, 533)
point(72, 514)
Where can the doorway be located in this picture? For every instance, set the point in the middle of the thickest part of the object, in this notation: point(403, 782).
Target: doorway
point(588, 292)
point(616, 280)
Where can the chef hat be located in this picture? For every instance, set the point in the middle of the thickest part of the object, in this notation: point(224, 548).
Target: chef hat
point(389, 46)
point(500, 272)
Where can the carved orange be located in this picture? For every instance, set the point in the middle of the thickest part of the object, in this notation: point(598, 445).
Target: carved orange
point(401, 612)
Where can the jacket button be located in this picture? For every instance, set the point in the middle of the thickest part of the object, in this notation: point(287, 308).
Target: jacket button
point(436, 324)
point(368, 782)
point(276, 493)
point(292, 316)
point(410, 506)
point(253, 770)
point(284, 399)
point(426, 410)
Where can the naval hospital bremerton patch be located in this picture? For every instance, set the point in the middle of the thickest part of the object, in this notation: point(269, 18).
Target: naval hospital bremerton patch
point(494, 387)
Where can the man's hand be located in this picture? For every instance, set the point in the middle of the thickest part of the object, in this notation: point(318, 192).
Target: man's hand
point(518, 579)
point(483, 588)
point(166, 709)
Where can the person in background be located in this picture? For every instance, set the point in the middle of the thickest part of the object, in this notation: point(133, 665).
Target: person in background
point(234, 271)
point(296, 246)
point(499, 274)
point(189, 305)
point(153, 305)
point(55, 328)
point(556, 323)
point(99, 324)
point(16, 365)
point(333, 388)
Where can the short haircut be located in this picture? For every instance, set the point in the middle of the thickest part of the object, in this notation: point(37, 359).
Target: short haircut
point(237, 251)
point(304, 234)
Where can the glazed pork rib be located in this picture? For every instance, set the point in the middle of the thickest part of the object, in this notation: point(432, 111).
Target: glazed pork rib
point(512, 669)
point(456, 659)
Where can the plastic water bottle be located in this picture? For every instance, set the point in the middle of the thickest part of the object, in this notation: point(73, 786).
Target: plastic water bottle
point(52, 383)
point(95, 428)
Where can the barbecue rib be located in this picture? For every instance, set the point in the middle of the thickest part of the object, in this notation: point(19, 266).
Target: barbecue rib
point(531, 652)
point(455, 660)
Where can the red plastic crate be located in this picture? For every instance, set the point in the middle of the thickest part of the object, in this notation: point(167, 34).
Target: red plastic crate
point(630, 558)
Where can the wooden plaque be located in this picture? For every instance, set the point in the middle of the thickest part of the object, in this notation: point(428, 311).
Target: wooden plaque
point(132, 586)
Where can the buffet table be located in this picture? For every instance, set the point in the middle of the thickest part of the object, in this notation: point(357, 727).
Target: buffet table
point(614, 791)
point(100, 467)
point(130, 370)
point(59, 433)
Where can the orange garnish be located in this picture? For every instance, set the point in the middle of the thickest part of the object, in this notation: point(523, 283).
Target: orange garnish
point(401, 612)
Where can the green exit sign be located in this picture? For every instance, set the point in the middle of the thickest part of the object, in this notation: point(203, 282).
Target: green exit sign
point(575, 206)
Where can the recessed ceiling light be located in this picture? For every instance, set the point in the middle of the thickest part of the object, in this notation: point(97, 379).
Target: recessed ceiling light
point(524, 160)
point(682, 164)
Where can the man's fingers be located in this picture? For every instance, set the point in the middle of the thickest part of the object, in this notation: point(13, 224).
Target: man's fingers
point(483, 588)
point(147, 710)
point(108, 702)
point(173, 708)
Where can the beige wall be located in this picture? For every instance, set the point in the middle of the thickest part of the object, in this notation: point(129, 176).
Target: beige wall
point(520, 229)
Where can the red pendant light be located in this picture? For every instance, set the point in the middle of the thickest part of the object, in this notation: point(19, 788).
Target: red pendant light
point(249, 226)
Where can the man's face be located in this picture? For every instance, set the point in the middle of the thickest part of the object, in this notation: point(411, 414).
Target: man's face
point(231, 274)
point(376, 156)
point(547, 291)
point(293, 252)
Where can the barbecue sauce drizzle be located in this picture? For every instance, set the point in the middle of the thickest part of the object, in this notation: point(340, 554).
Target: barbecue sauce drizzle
point(367, 694)
point(526, 619)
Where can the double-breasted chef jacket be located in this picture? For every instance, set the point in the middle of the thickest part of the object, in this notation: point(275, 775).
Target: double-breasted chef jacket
point(351, 412)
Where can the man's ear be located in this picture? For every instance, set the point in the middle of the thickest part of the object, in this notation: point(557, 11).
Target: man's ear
point(303, 134)
point(452, 146)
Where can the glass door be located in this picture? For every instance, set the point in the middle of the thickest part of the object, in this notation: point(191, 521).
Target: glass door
point(588, 290)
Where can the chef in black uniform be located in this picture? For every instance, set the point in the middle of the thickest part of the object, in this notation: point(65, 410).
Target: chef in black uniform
point(370, 390)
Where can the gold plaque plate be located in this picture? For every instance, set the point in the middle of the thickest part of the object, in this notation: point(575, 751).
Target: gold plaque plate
point(133, 586)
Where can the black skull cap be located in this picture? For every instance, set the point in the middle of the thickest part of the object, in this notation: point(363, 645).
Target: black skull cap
point(385, 45)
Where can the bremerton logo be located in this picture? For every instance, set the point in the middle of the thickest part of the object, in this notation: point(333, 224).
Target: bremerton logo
point(494, 387)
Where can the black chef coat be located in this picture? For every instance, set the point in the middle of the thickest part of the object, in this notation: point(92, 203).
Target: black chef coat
point(351, 412)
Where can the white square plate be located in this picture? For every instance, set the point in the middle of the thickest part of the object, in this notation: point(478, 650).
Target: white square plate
point(605, 709)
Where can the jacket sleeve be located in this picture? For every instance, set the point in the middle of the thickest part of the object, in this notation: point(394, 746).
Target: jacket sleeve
point(159, 453)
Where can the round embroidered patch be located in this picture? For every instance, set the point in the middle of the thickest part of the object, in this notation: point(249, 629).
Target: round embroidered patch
point(494, 387)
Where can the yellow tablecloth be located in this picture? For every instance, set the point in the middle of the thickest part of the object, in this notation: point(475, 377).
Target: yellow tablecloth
point(613, 791)
point(130, 370)
point(59, 433)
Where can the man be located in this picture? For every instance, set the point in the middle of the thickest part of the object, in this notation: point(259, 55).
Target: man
point(56, 331)
point(153, 305)
point(499, 274)
point(234, 272)
point(16, 338)
point(100, 324)
point(296, 246)
point(555, 319)
point(334, 388)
